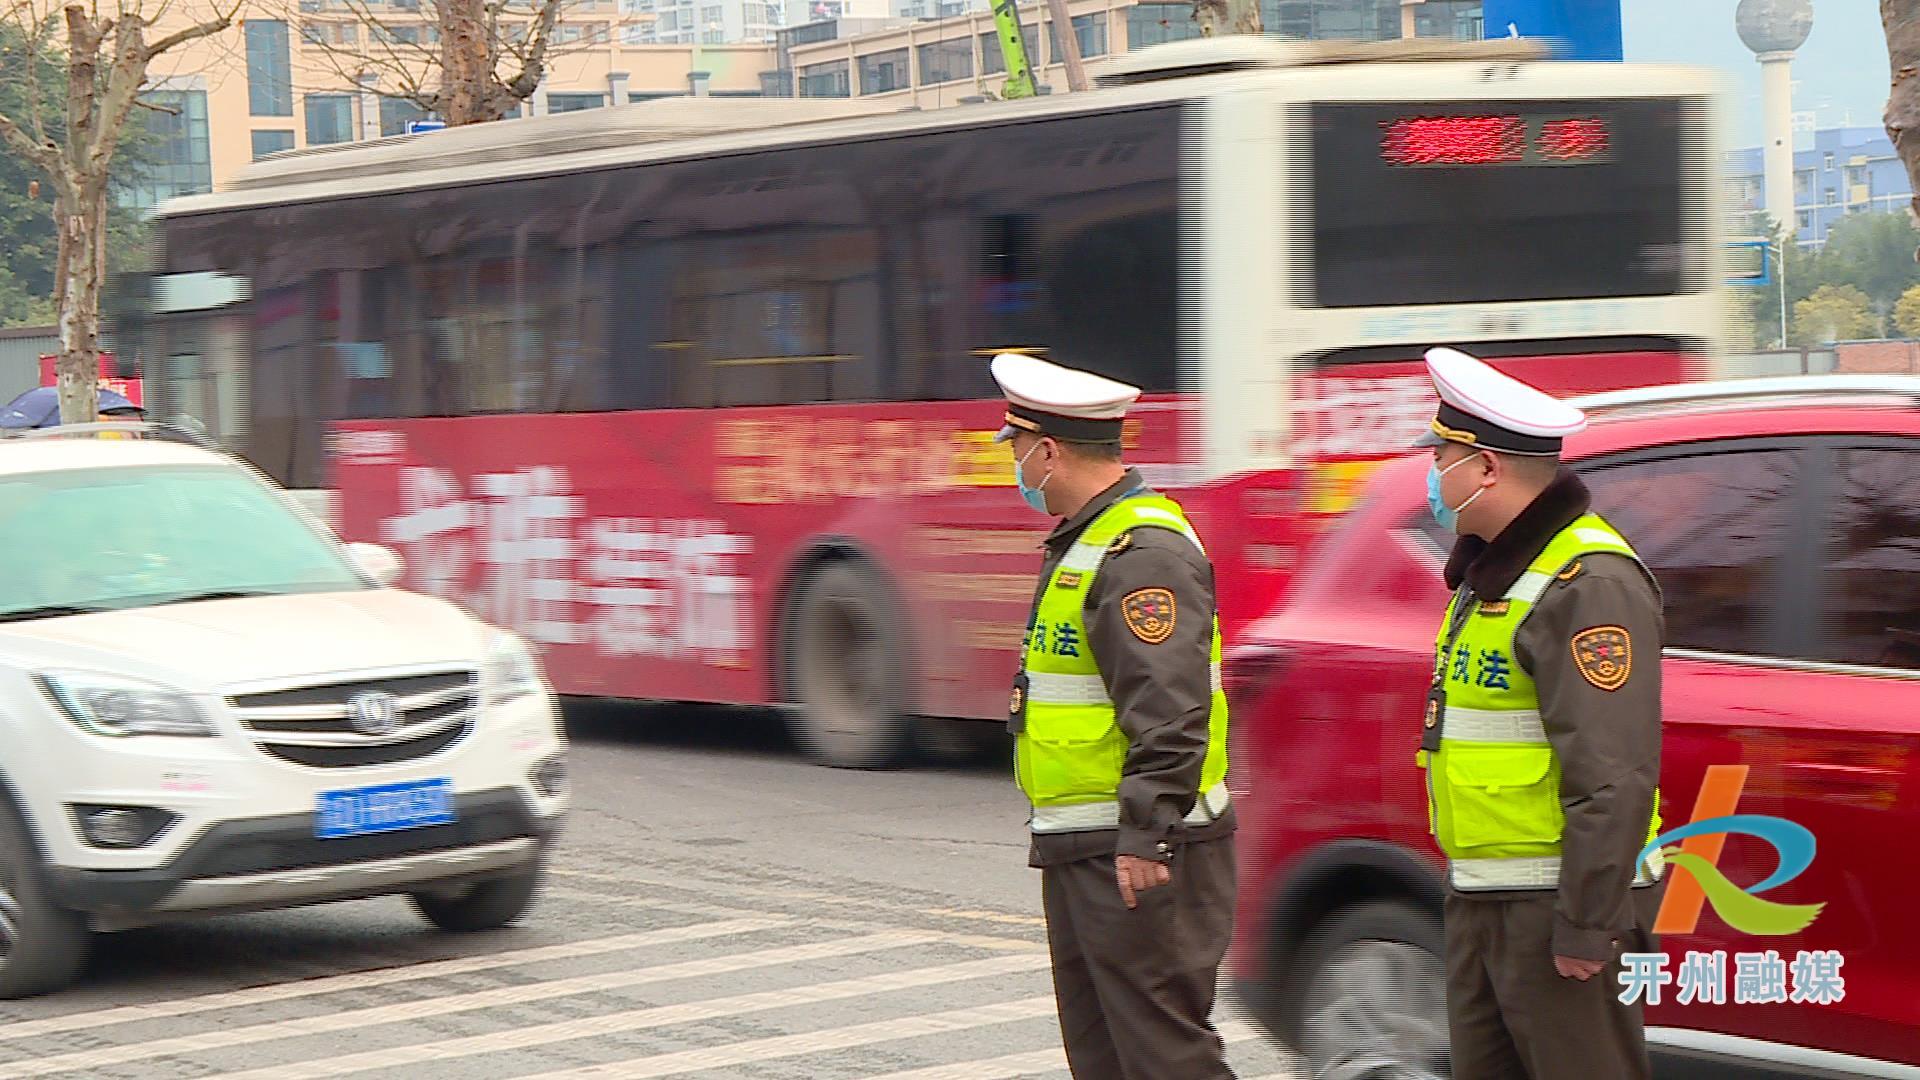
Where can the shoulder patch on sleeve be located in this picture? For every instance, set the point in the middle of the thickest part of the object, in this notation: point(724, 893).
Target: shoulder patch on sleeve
point(1604, 656)
point(1149, 614)
point(1572, 571)
point(1120, 543)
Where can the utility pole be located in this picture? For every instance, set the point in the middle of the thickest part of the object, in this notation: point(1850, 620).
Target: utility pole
point(1069, 43)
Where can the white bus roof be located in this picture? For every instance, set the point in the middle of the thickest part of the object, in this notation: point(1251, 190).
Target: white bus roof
point(689, 127)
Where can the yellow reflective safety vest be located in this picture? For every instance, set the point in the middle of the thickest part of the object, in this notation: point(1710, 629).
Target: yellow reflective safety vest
point(1494, 783)
point(1070, 751)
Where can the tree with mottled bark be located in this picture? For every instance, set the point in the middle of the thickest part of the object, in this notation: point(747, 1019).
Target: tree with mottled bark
point(108, 51)
point(463, 61)
point(1227, 16)
point(1902, 21)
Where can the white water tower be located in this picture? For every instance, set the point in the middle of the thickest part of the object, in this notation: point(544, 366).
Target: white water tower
point(1773, 29)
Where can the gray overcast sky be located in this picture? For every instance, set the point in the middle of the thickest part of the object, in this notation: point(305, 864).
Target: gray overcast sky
point(1840, 73)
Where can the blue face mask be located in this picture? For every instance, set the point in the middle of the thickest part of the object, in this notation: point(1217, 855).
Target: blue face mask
point(1035, 496)
point(1447, 516)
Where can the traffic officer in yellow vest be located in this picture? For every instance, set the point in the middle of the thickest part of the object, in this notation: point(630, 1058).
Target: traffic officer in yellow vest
point(1541, 741)
point(1120, 746)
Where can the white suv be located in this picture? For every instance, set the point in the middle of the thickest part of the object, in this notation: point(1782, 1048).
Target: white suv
point(208, 704)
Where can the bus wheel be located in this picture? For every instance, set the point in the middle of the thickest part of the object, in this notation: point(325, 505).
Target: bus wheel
point(846, 662)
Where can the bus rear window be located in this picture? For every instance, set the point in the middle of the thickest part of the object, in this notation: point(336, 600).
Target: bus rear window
point(1494, 201)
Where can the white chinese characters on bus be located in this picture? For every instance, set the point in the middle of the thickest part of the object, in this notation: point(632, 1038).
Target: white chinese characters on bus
point(433, 530)
point(529, 551)
point(667, 588)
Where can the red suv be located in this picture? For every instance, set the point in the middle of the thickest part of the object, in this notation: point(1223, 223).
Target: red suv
point(1782, 517)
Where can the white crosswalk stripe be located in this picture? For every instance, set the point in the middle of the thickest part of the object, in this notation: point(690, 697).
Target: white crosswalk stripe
point(845, 1038)
point(363, 980)
point(759, 977)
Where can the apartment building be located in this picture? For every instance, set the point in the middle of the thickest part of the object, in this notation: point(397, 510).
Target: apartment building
point(1845, 170)
point(275, 82)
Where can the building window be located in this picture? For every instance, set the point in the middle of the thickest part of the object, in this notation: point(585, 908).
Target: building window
point(271, 142)
point(993, 59)
point(824, 80)
point(1803, 220)
point(396, 113)
point(560, 103)
point(1157, 24)
point(1833, 197)
point(884, 71)
point(329, 119)
point(1826, 162)
point(1461, 20)
point(269, 68)
point(1375, 20)
point(179, 160)
point(1089, 32)
point(713, 37)
point(946, 61)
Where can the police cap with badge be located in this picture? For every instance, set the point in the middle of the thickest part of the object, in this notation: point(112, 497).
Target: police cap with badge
point(1044, 398)
point(1485, 409)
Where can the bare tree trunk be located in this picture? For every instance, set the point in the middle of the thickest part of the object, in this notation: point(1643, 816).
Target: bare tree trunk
point(78, 369)
point(1902, 21)
point(79, 166)
point(1244, 16)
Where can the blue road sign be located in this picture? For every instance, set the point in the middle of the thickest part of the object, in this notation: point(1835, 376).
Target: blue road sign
point(1580, 29)
point(416, 126)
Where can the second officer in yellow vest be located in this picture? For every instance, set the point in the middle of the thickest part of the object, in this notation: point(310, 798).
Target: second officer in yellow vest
point(1120, 739)
point(1540, 741)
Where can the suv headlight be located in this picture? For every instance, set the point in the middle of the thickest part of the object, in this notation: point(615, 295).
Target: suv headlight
point(510, 672)
point(117, 705)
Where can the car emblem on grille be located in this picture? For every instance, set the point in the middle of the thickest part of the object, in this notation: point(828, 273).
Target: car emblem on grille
point(374, 713)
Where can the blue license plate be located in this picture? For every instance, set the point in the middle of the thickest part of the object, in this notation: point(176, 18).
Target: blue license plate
point(384, 808)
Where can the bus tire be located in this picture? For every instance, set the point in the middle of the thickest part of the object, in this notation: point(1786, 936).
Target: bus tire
point(846, 660)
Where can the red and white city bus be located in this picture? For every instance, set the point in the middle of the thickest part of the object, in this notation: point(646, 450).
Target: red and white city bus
point(694, 394)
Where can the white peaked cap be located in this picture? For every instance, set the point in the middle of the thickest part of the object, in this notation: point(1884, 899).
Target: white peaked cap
point(1046, 399)
point(1490, 410)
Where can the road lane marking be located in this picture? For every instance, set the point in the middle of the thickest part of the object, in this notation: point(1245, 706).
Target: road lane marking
point(813, 1042)
point(782, 892)
point(227, 1037)
point(360, 980)
point(633, 1020)
point(1035, 1062)
point(984, 941)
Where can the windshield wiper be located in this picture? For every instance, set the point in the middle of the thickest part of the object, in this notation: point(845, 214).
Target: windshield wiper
point(216, 594)
point(51, 611)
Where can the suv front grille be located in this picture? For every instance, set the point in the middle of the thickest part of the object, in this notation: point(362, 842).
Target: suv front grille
point(327, 726)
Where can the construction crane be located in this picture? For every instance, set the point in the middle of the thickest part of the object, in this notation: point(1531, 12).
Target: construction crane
point(1013, 45)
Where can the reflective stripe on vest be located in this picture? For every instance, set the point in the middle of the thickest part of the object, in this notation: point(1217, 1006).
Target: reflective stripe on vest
point(1494, 784)
point(1070, 752)
point(1469, 875)
point(1090, 817)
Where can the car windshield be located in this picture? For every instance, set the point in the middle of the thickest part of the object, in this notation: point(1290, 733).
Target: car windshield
point(110, 539)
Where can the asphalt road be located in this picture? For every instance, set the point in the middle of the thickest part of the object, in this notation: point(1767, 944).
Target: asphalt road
point(718, 908)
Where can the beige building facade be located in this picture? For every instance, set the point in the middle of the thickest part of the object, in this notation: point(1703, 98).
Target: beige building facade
point(274, 81)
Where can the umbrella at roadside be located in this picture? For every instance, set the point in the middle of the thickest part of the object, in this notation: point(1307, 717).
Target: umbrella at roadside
point(40, 408)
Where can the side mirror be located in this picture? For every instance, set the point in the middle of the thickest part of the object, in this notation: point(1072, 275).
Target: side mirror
point(382, 564)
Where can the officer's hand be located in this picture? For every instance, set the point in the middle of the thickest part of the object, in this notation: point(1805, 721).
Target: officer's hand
point(1137, 875)
point(1572, 967)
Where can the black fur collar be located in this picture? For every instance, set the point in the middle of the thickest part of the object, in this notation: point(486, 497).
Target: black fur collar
point(1492, 568)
